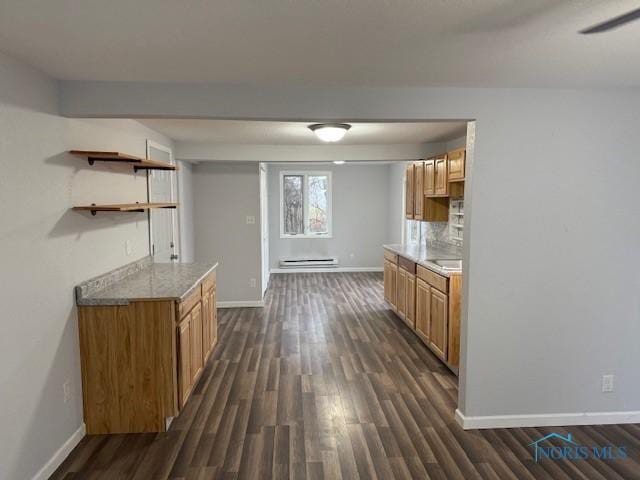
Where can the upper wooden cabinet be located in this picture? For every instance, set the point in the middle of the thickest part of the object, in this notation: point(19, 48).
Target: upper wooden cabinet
point(409, 189)
point(418, 194)
point(440, 176)
point(429, 177)
point(456, 164)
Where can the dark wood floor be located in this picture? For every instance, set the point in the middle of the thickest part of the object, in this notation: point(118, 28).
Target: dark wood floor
point(325, 382)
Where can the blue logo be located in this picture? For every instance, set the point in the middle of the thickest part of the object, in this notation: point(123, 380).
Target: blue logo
point(571, 450)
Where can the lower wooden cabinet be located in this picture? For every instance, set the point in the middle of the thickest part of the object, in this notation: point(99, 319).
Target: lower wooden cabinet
point(427, 302)
point(197, 334)
point(423, 310)
point(146, 356)
point(184, 360)
point(439, 326)
point(401, 293)
point(410, 316)
point(196, 341)
point(390, 282)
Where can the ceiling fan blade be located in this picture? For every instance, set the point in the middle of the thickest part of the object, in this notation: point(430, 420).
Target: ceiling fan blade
point(613, 23)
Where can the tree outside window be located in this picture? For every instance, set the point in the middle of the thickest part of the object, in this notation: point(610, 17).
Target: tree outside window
point(305, 204)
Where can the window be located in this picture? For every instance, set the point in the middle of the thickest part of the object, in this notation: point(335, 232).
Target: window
point(305, 204)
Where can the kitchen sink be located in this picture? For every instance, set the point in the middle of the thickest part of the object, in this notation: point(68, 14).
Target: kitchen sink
point(448, 264)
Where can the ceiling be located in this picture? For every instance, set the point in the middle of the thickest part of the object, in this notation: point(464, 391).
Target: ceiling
point(240, 132)
point(494, 43)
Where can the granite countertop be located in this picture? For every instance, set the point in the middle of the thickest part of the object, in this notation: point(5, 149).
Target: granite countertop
point(425, 254)
point(143, 280)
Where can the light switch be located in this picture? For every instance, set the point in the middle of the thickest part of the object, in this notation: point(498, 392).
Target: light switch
point(251, 220)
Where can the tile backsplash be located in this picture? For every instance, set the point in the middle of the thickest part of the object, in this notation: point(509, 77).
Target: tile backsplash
point(451, 232)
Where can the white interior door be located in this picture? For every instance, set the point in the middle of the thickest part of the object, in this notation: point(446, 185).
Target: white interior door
point(264, 227)
point(163, 225)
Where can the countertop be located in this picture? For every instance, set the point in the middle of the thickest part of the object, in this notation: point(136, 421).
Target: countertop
point(425, 254)
point(151, 281)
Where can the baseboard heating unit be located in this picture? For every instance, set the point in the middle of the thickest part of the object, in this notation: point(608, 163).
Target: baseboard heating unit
point(312, 262)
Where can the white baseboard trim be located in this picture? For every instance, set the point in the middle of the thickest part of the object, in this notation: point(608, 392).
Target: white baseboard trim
point(327, 270)
point(241, 304)
point(63, 452)
point(546, 420)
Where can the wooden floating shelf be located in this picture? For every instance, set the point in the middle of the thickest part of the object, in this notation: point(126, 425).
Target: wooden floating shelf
point(124, 207)
point(118, 157)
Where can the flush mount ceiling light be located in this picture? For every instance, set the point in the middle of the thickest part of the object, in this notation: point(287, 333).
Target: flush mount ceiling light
point(339, 162)
point(330, 132)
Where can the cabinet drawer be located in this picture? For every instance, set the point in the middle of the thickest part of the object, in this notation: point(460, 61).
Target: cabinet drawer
point(208, 283)
point(433, 279)
point(188, 303)
point(392, 257)
point(408, 265)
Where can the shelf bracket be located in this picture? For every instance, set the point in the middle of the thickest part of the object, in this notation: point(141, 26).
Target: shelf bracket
point(91, 161)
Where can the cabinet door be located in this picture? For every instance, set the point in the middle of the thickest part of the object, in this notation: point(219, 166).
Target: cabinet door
point(206, 326)
point(390, 282)
point(401, 294)
point(429, 177)
point(455, 160)
point(184, 359)
point(410, 317)
point(409, 191)
point(387, 281)
point(439, 324)
point(418, 191)
point(196, 341)
point(441, 181)
point(423, 309)
point(214, 318)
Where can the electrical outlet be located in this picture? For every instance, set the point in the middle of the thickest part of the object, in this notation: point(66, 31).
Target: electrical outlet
point(253, 282)
point(66, 391)
point(127, 247)
point(607, 383)
point(251, 220)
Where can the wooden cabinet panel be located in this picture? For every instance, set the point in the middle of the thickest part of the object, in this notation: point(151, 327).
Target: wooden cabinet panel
point(418, 191)
point(455, 304)
point(392, 257)
point(210, 321)
point(188, 303)
point(410, 318)
point(456, 161)
point(206, 325)
point(423, 309)
point(184, 359)
point(429, 183)
point(401, 293)
point(390, 282)
point(436, 209)
point(441, 180)
point(409, 191)
point(214, 319)
point(439, 325)
point(196, 341)
point(432, 278)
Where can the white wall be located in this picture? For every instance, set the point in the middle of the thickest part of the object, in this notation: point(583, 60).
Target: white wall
point(48, 249)
point(551, 238)
point(225, 194)
point(359, 219)
point(185, 211)
point(395, 187)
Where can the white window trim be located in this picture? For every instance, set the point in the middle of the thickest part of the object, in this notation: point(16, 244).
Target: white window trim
point(305, 174)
